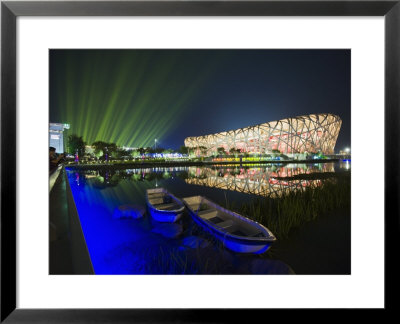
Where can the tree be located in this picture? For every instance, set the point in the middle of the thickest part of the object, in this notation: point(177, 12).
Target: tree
point(99, 146)
point(183, 149)
point(149, 150)
point(221, 150)
point(234, 151)
point(119, 153)
point(76, 144)
point(321, 155)
point(203, 150)
point(89, 150)
point(135, 153)
point(167, 151)
point(275, 153)
point(99, 154)
point(191, 151)
point(112, 147)
point(107, 148)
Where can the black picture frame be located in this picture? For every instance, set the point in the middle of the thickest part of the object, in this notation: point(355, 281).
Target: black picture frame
point(10, 10)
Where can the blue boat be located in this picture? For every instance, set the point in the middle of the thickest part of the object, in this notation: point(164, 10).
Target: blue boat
point(236, 232)
point(164, 206)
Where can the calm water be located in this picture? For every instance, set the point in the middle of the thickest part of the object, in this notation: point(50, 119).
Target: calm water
point(144, 246)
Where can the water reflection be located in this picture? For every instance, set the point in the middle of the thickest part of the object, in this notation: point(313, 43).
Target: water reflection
point(110, 201)
point(269, 180)
point(345, 164)
point(273, 181)
point(104, 178)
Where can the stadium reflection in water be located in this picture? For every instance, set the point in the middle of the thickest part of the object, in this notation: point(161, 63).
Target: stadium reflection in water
point(270, 181)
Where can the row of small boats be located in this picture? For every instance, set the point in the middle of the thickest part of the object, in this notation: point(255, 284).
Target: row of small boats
point(236, 232)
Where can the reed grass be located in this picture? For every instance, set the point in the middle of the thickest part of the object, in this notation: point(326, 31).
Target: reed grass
point(295, 208)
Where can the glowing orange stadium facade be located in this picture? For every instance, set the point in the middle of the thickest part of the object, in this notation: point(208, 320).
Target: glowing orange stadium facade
point(310, 133)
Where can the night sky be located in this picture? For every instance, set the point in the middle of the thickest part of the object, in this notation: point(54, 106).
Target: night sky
point(131, 97)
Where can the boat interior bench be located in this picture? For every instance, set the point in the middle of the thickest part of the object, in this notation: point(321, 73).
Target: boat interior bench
point(194, 206)
point(226, 224)
point(167, 206)
point(156, 201)
point(166, 199)
point(208, 214)
point(212, 216)
point(156, 195)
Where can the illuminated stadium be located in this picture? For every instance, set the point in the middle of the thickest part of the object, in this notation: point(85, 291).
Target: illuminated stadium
point(311, 133)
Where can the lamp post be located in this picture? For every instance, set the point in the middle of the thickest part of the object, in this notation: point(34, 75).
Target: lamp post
point(155, 144)
point(347, 150)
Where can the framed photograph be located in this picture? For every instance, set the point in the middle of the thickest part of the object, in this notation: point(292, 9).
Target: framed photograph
point(199, 151)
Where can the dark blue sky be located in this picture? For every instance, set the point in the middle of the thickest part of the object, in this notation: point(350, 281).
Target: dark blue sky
point(230, 88)
point(252, 87)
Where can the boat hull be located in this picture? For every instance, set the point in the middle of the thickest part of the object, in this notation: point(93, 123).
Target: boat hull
point(165, 216)
point(236, 244)
point(162, 214)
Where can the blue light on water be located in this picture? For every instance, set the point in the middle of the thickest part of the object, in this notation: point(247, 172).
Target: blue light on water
point(113, 243)
point(132, 245)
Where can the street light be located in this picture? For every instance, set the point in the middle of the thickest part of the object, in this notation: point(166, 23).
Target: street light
point(155, 144)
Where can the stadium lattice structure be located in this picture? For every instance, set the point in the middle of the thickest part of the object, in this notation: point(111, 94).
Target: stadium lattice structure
point(311, 133)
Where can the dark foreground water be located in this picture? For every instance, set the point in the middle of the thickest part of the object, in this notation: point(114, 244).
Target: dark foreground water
point(143, 246)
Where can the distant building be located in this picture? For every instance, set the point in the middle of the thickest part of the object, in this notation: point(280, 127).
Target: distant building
point(127, 148)
point(58, 136)
point(311, 133)
point(344, 152)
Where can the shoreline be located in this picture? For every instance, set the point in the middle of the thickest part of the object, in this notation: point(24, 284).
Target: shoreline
point(140, 165)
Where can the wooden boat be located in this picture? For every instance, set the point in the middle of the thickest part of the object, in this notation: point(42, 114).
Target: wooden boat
point(163, 206)
point(237, 232)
